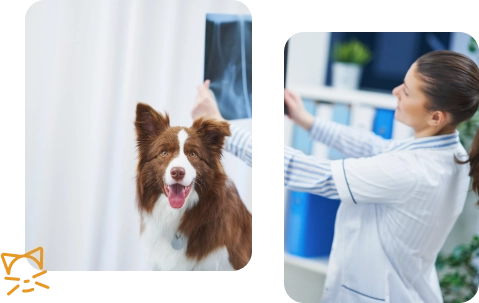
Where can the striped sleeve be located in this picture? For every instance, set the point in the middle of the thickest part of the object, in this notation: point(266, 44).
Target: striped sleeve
point(352, 142)
point(308, 174)
point(239, 144)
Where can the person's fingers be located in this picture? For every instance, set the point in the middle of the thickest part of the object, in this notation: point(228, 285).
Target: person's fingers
point(287, 92)
point(205, 84)
point(201, 87)
point(293, 97)
point(290, 94)
point(288, 99)
point(199, 97)
point(204, 90)
point(292, 100)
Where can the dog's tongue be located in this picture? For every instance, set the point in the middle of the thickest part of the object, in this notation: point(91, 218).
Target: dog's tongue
point(177, 195)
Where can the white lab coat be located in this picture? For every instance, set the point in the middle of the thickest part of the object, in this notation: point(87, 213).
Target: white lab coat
point(399, 201)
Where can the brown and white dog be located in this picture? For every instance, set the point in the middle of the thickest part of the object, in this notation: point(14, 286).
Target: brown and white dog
point(191, 214)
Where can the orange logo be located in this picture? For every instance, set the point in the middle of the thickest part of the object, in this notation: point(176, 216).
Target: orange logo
point(29, 255)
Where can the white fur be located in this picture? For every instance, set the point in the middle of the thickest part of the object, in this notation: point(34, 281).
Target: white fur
point(161, 226)
point(181, 161)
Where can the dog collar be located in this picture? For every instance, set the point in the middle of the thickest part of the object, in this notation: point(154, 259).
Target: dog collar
point(177, 242)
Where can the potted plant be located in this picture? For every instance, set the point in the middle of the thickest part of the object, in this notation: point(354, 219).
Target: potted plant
point(458, 276)
point(349, 59)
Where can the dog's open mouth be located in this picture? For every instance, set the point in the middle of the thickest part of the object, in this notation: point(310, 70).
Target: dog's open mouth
point(177, 194)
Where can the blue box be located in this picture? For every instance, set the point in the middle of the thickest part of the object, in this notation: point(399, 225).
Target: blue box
point(383, 123)
point(309, 228)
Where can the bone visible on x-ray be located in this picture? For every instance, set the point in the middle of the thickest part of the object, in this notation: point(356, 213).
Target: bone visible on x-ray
point(227, 66)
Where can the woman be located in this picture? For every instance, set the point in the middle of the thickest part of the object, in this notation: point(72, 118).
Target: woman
point(399, 199)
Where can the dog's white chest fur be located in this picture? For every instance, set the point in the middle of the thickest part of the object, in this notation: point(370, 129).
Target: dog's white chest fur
point(160, 228)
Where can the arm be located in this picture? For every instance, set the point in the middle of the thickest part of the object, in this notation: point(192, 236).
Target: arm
point(239, 144)
point(309, 174)
point(350, 141)
point(386, 178)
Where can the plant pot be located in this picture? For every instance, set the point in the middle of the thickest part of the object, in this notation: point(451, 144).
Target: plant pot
point(346, 75)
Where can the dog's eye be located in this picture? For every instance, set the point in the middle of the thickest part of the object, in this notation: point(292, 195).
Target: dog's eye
point(192, 155)
point(163, 153)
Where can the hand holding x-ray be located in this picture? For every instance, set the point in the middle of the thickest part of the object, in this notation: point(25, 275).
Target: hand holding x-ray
point(205, 105)
point(296, 110)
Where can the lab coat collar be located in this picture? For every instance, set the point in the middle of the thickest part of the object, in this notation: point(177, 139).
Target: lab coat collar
point(442, 141)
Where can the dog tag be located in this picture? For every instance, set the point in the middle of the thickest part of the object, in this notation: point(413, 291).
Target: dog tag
point(177, 243)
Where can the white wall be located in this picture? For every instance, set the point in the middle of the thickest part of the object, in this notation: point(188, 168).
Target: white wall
point(307, 58)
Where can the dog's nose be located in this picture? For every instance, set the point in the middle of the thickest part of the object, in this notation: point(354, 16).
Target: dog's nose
point(177, 173)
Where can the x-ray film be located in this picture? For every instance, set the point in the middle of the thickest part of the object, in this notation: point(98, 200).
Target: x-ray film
point(228, 63)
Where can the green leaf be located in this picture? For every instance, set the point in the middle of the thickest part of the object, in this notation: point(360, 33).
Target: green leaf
point(467, 131)
point(472, 45)
point(475, 240)
point(472, 48)
point(351, 52)
point(457, 272)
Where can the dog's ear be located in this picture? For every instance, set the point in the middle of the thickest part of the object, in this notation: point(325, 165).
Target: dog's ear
point(212, 132)
point(149, 123)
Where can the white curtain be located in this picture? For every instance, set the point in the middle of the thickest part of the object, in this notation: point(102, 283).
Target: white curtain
point(87, 65)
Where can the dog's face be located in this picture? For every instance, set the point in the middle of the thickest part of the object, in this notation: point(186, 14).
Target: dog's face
point(175, 161)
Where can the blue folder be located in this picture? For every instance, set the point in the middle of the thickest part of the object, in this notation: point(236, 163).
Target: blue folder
point(309, 225)
point(383, 123)
point(341, 114)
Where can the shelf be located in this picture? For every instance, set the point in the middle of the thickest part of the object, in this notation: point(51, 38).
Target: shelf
point(348, 96)
point(319, 264)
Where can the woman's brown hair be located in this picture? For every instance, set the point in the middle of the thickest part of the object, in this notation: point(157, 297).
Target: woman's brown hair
point(451, 84)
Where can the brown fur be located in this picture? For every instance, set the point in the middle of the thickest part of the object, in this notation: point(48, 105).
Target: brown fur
point(219, 218)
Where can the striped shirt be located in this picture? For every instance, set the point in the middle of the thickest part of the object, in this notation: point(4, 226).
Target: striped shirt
point(239, 144)
point(311, 174)
point(307, 173)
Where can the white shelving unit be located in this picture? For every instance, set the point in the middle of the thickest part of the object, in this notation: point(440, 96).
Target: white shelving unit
point(353, 97)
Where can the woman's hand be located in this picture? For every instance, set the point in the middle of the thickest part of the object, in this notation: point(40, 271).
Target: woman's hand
point(205, 105)
point(296, 110)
